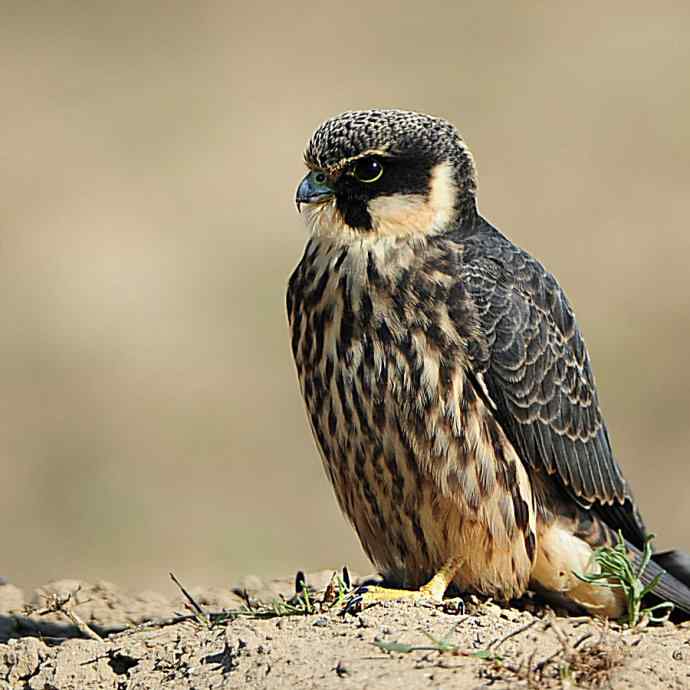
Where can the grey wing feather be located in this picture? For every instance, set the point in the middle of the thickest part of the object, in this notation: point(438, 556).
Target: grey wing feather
point(537, 372)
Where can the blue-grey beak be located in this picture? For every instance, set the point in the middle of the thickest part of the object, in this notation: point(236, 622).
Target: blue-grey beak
point(314, 187)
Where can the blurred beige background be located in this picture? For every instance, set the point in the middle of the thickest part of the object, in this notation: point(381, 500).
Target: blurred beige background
point(149, 153)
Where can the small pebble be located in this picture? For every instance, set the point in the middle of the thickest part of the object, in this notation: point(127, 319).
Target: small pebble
point(491, 610)
point(510, 614)
point(320, 622)
point(453, 606)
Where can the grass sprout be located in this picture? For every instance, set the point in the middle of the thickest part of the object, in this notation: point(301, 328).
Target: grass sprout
point(304, 602)
point(617, 571)
point(442, 646)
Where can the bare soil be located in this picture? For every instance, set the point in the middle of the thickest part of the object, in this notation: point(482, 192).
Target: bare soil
point(148, 641)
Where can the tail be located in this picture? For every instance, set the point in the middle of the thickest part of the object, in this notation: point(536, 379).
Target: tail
point(674, 583)
point(676, 563)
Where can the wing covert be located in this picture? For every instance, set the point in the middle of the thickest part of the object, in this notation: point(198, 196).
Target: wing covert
point(537, 372)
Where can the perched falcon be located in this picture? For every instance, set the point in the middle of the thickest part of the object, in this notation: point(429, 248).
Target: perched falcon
point(446, 381)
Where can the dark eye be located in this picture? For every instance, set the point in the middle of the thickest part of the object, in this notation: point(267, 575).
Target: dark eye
point(368, 170)
point(320, 177)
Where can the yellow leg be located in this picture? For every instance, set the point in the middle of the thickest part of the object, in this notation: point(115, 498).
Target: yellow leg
point(432, 591)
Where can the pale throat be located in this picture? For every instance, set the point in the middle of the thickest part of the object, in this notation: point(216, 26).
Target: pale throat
point(394, 215)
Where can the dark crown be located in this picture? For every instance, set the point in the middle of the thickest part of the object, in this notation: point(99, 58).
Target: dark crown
point(398, 133)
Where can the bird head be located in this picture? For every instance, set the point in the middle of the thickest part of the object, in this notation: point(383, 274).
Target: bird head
point(386, 173)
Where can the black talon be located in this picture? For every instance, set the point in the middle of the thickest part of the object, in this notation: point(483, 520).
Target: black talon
point(355, 601)
point(300, 582)
point(353, 605)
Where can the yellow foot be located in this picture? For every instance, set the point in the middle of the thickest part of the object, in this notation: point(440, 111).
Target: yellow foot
point(368, 595)
point(432, 592)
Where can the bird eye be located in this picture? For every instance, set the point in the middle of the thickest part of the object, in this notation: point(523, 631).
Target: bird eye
point(368, 170)
point(320, 177)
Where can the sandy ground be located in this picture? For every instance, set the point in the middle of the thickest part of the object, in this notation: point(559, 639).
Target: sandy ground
point(105, 638)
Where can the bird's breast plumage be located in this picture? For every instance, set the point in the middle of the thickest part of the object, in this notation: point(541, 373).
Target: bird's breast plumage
point(380, 330)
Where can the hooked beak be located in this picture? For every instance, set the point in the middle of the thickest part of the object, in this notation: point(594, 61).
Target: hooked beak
point(314, 187)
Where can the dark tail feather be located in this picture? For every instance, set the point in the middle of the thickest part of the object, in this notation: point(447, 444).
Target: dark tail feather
point(677, 563)
point(673, 586)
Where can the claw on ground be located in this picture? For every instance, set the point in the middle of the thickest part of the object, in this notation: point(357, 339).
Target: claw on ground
point(368, 595)
point(431, 593)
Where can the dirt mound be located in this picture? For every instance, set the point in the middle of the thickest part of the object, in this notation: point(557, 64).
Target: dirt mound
point(80, 636)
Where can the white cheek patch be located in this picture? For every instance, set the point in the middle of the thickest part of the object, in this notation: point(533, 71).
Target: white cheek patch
point(442, 196)
point(400, 214)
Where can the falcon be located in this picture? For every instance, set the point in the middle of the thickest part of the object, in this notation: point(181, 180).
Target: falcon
point(446, 382)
